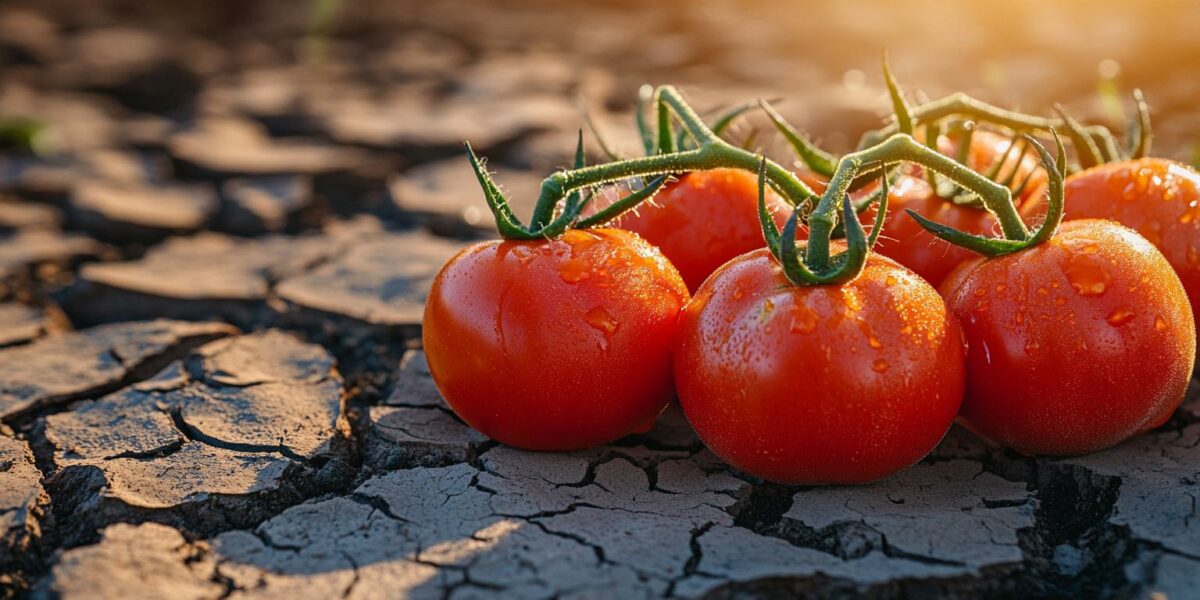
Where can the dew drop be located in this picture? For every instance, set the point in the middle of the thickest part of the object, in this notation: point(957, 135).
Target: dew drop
point(891, 280)
point(1129, 192)
point(1087, 275)
point(880, 365)
point(574, 270)
point(852, 301)
point(523, 254)
point(1119, 317)
point(603, 321)
point(1000, 287)
point(1159, 323)
point(804, 319)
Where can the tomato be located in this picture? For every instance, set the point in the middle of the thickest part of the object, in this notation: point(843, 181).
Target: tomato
point(1075, 344)
point(555, 344)
point(703, 219)
point(818, 384)
point(1157, 197)
point(907, 243)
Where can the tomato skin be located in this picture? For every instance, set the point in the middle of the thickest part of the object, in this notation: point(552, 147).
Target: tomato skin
point(1158, 198)
point(555, 345)
point(704, 219)
point(818, 384)
point(906, 242)
point(1075, 344)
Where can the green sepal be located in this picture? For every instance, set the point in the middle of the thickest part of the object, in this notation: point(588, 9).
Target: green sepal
point(620, 207)
point(904, 121)
point(816, 159)
point(1085, 148)
point(1139, 133)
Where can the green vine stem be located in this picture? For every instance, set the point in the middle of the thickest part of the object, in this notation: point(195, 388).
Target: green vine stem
point(1094, 144)
point(903, 148)
point(1015, 238)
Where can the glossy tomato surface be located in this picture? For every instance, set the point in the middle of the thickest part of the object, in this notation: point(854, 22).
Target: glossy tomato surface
point(1159, 198)
point(909, 244)
point(1075, 344)
point(555, 345)
point(818, 384)
point(704, 219)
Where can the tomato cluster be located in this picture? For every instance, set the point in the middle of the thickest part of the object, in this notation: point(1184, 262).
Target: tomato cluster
point(802, 358)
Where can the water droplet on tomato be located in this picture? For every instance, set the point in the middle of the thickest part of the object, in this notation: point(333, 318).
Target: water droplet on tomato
point(574, 270)
point(804, 319)
point(1087, 275)
point(1192, 213)
point(1000, 287)
point(880, 365)
point(891, 280)
point(1146, 178)
point(1119, 317)
point(603, 321)
point(1031, 346)
point(738, 293)
point(524, 254)
point(1159, 323)
point(1129, 192)
point(851, 299)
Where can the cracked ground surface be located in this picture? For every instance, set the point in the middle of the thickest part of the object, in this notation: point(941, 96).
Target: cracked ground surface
point(211, 379)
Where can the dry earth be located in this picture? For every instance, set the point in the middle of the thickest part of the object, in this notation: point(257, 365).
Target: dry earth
point(211, 382)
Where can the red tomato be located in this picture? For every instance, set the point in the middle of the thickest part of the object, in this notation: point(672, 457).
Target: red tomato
point(906, 242)
point(1075, 344)
point(1157, 197)
point(704, 219)
point(556, 344)
point(818, 384)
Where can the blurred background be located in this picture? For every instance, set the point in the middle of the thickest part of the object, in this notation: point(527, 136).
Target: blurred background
point(131, 121)
point(265, 58)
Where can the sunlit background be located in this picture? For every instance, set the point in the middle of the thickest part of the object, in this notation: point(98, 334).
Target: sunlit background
point(821, 56)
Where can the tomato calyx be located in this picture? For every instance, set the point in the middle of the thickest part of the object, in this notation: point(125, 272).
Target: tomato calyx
point(1016, 236)
point(545, 227)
